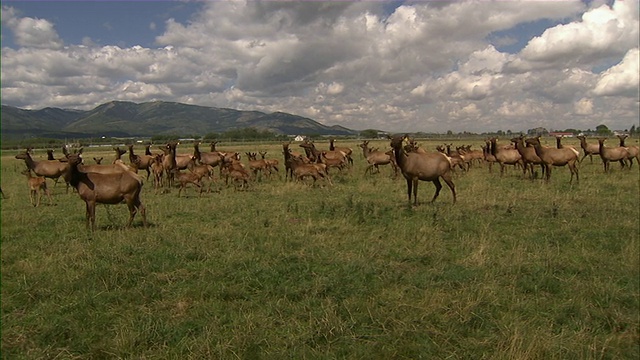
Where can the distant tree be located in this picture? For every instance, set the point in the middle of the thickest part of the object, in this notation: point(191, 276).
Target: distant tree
point(633, 130)
point(369, 134)
point(449, 132)
point(603, 130)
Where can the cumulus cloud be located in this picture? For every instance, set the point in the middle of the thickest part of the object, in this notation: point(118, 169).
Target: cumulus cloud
point(412, 67)
point(621, 79)
point(602, 32)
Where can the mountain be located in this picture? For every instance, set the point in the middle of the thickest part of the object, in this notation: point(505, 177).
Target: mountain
point(128, 119)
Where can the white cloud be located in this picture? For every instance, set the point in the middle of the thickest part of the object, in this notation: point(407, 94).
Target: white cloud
point(621, 79)
point(583, 107)
point(30, 32)
point(603, 32)
point(354, 64)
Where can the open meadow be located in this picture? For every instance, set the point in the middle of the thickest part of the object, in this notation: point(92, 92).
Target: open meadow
point(516, 269)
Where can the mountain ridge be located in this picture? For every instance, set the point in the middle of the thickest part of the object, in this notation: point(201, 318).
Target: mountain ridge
point(129, 119)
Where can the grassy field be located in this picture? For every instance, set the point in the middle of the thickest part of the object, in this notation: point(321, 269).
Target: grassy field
point(516, 269)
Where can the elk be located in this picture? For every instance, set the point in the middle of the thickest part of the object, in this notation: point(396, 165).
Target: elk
point(288, 155)
point(529, 156)
point(50, 155)
point(36, 183)
point(186, 178)
point(98, 160)
point(556, 157)
point(377, 158)
point(314, 154)
point(633, 150)
point(142, 161)
point(417, 167)
point(119, 153)
point(272, 163)
point(212, 158)
point(94, 188)
point(346, 150)
point(51, 169)
point(301, 170)
point(232, 169)
point(589, 149)
point(608, 154)
point(257, 166)
point(488, 156)
point(505, 156)
point(158, 170)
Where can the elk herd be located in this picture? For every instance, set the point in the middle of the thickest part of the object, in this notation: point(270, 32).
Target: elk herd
point(121, 182)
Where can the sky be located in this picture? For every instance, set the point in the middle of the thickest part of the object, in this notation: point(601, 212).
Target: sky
point(399, 66)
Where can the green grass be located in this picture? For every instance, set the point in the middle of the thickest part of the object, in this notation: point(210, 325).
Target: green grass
point(515, 269)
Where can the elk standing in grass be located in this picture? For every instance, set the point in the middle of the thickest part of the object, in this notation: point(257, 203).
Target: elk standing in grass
point(529, 156)
point(417, 167)
point(556, 157)
point(142, 161)
point(346, 150)
point(632, 150)
point(94, 188)
point(608, 154)
point(36, 184)
point(377, 158)
point(588, 149)
point(505, 156)
point(51, 169)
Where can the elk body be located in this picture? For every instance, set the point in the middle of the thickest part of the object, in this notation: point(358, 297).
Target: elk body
point(556, 157)
point(51, 169)
point(633, 150)
point(377, 158)
point(36, 184)
point(345, 150)
point(417, 167)
point(142, 161)
point(94, 188)
point(505, 156)
point(588, 149)
point(529, 156)
point(609, 154)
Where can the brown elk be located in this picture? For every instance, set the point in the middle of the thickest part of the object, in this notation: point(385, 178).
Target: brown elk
point(36, 183)
point(301, 170)
point(417, 167)
point(556, 157)
point(142, 161)
point(588, 149)
point(272, 163)
point(158, 171)
point(231, 168)
point(94, 188)
point(377, 158)
point(119, 153)
point(98, 160)
point(257, 165)
point(346, 150)
point(213, 158)
point(633, 150)
point(505, 156)
point(185, 178)
point(51, 169)
point(529, 156)
point(50, 154)
point(288, 156)
point(488, 156)
point(608, 154)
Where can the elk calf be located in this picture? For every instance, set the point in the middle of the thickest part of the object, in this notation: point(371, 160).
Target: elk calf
point(36, 183)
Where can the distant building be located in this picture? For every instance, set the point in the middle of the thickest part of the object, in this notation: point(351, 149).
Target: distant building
point(560, 133)
point(298, 138)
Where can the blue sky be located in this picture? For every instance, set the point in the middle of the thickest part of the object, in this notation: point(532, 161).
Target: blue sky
point(397, 66)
